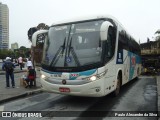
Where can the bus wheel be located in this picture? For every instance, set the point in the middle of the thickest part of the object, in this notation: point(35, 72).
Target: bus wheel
point(118, 86)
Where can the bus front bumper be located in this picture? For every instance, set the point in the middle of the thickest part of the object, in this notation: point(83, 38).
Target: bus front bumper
point(91, 89)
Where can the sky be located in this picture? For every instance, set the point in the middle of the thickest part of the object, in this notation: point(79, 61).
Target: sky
point(141, 18)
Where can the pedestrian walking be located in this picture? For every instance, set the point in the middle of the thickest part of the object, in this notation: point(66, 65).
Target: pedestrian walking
point(8, 66)
point(20, 61)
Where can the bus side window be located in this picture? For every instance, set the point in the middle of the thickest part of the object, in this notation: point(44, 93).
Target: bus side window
point(110, 43)
point(123, 40)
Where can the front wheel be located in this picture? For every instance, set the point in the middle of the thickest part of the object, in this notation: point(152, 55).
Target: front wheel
point(118, 86)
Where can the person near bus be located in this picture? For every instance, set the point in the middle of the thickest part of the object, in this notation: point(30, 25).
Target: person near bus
point(8, 66)
point(29, 63)
point(20, 61)
point(30, 77)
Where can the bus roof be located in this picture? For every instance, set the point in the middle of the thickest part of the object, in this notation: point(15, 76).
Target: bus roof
point(92, 17)
point(86, 18)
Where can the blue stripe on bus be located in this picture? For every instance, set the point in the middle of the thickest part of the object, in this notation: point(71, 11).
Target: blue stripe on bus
point(84, 73)
point(74, 75)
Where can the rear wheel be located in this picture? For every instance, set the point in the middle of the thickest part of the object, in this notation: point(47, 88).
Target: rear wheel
point(138, 73)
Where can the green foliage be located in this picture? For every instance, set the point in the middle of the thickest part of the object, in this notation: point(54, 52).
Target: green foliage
point(6, 53)
point(22, 48)
point(158, 38)
point(32, 30)
point(157, 32)
point(42, 26)
point(37, 51)
point(157, 35)
point(22, 51)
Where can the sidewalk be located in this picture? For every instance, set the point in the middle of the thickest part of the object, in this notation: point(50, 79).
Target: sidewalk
point(8, 94)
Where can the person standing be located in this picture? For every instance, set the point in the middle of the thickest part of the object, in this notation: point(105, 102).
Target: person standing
point(20, 61)
point(8, 66)
point(29, 63)
point(30, 77)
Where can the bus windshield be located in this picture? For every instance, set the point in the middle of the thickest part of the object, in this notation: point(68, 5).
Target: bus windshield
point(72, 45)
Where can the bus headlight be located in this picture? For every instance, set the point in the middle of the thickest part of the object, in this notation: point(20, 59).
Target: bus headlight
point(43, 76)
point(95, 77)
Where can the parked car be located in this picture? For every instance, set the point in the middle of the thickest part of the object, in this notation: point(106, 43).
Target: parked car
point(150, 71)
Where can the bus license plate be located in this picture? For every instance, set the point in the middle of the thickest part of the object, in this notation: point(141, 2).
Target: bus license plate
point(64, 89)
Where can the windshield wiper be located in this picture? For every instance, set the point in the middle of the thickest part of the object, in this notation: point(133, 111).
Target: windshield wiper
point(71, 49)
point(59, 52)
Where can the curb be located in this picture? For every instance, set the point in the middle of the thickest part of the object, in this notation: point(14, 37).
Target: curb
point(21, 96)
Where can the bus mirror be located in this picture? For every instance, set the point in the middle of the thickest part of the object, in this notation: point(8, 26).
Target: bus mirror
point(104, 30)
point(34, 36)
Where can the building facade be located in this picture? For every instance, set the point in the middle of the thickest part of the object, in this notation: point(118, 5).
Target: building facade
point(4, 26)
point(150, 48)
point(14, 46)
point(150, 53)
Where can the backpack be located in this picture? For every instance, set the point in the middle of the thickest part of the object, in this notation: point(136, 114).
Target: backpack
point(31, 75)
point(9, 67)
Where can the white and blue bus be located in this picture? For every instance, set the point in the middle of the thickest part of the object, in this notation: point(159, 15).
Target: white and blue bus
point(88, 57)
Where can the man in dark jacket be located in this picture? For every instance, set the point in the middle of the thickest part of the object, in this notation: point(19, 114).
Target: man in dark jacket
point(8, 66)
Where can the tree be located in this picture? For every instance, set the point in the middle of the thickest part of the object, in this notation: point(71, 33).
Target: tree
point(158, 38)
point(37, 51)
point(22, 48)
point(24, 52)
point(157, 33)
point(6, 53)
point(30, 32)
point(42, 26)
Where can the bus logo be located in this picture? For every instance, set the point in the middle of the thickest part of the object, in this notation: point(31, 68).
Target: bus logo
point(68, 59)
point(64, 82)
point(74, 74)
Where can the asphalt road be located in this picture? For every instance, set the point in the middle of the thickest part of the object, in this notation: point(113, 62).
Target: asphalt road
point(138, 96)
